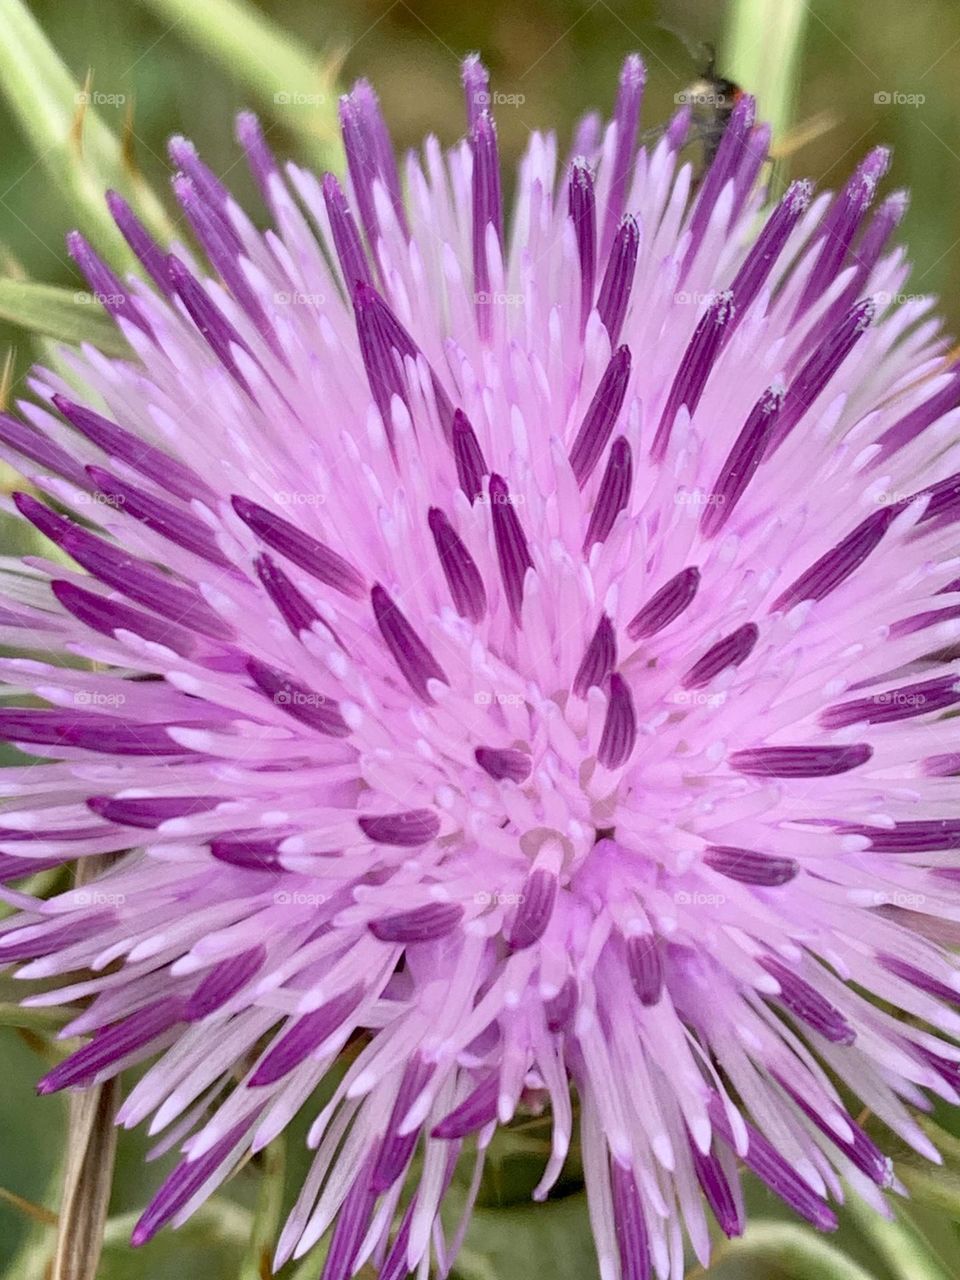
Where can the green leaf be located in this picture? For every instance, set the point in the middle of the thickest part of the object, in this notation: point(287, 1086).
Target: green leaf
point(210, 1245)
point(902, 1247)
point(42, 1020)
point(938, 1188)
point(762, 48)
point(271, 1167)
point(49, 106)
point(935, 1188)
point(515, 1163)
point(786, 1250)
point(68, 315)
point(311, 1265)
point(948, 1144)
point(295, 85)
point(551, 1239)
point(29, 1159)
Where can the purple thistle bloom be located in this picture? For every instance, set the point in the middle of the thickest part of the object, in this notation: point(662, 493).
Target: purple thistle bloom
point(517, 655)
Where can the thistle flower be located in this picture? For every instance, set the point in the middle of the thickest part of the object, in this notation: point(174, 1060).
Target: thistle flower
point(521, 655)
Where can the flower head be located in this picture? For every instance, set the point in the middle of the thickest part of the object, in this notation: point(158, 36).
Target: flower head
point(521, 648)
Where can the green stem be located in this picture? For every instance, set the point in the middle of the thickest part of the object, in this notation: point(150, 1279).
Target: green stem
point(47, 103)
point(791, 1251)
point(296, 86)
point(68, 315)
point(40, 1019)
point(268, 1212)
point(903, 1249)
point(762, 44)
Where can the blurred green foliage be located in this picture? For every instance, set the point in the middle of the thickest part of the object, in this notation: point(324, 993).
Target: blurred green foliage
point(561, 56)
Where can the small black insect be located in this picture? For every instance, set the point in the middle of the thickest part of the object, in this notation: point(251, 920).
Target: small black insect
point(711, 98)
